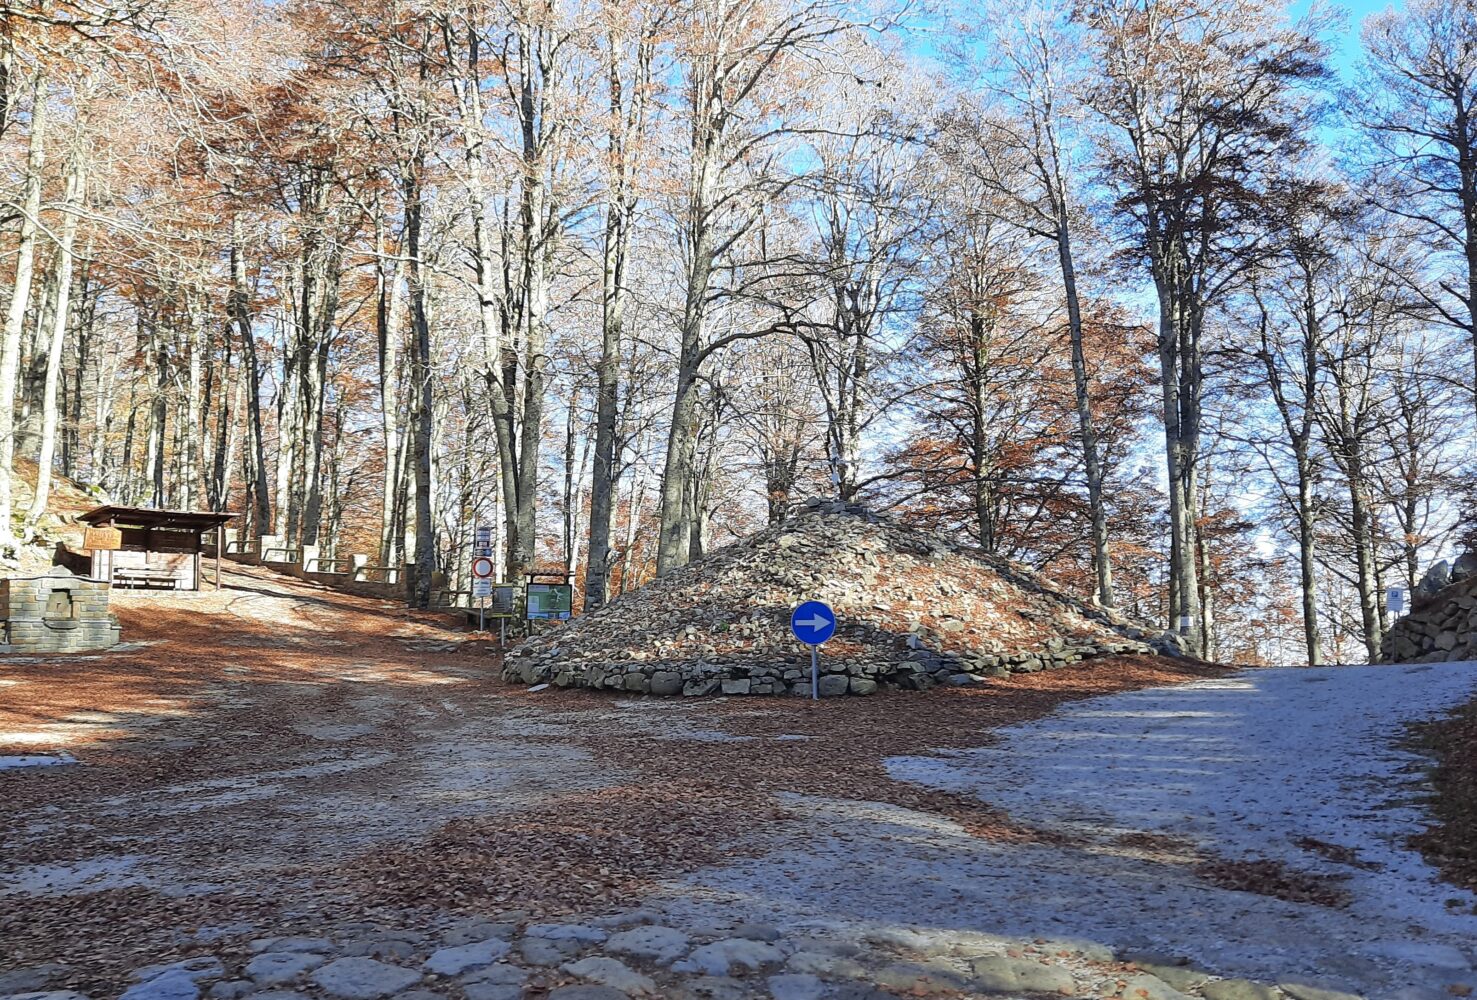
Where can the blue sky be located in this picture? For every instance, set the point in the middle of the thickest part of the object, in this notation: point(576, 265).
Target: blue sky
point(1346, 49)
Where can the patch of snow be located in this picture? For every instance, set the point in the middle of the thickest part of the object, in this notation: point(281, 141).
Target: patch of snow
point(16, 761)
point(1244, 766)
point(90, 875)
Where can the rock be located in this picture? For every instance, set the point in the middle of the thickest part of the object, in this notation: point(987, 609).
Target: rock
point(177, 985)
point(611, 972)
point(756, 932)
point(834, 685)
point(1238, 989)
point(822, 964)
point(587, 993)
point(46, 995)
point(863, 685)
point(385, 947)
point(35, 977)
point(273, 968)
point(1435, 579)
point(918, 980)
point(721, 958)
point(492, 991)
point(419, 995)
point(796, 986)
point(477, 930)
point(546, 951)
point(652, 942)
point(231, 989)
point(1465, 567)
point(202, 967)
point(666, 682)
point(455, 961)
point(1181, 977)
point(1002, 974)
point(567, 932)
point(364, 978)
point(1147, 987)
point(631, 918)
point(1299, 991)
point(501, 974)
point(318, 944)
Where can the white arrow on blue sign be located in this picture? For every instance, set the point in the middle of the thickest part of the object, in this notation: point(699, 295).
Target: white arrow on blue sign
point(813, 623)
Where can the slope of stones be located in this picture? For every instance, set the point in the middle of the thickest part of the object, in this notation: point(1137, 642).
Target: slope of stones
point(914, 610)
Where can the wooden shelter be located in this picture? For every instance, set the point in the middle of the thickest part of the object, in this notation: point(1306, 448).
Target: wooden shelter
point(140, 547)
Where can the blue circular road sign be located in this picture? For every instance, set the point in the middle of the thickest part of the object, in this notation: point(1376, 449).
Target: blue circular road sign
point(813, 623)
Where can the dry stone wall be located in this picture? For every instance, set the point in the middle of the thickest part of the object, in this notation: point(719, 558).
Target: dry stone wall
point(1441, 627)
point(914, 610)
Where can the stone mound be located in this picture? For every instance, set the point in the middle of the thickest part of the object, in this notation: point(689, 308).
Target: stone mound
point(913, 610)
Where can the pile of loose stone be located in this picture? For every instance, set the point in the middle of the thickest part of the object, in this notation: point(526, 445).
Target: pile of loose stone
point(913, 610)
point(636, 955)
point(1442, 624)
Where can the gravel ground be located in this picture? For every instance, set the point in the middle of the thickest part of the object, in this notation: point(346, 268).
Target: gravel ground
point(279, 760)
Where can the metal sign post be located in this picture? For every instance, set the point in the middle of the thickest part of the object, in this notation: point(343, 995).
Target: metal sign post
point(813, 623)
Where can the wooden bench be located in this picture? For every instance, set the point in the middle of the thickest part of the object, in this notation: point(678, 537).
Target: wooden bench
point(125, 576)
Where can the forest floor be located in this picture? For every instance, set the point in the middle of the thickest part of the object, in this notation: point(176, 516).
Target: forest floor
point(298, 793)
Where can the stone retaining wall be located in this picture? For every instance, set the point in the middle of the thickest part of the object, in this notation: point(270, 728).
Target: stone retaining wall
point(1440, 627)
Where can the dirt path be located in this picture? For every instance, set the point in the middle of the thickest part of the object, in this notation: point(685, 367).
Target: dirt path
point(277, 759)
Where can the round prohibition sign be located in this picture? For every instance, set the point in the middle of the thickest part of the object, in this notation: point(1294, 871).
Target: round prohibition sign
point(482, 568)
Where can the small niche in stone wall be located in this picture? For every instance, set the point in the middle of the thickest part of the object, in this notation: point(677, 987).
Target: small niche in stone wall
point(56, 613)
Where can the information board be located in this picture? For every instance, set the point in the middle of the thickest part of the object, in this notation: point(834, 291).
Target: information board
point(550, 600)
point(503, 602)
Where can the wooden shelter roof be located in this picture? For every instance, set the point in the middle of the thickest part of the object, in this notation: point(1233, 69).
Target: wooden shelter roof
point(148, 517)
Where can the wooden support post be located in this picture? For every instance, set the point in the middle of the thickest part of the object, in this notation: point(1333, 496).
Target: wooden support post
point(220, 545)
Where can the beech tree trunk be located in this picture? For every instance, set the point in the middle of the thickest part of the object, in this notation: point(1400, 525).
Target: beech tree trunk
point(15, 316)
point(71, 205)
point(238, 307)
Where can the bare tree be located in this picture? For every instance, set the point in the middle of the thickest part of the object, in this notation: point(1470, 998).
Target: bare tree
point(1415, 101)
point(1203, 104)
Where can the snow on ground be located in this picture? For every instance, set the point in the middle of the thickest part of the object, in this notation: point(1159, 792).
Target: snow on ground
point(1243, 766)
point(12, 761)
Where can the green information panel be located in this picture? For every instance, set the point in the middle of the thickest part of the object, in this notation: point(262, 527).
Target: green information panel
point(550, 600)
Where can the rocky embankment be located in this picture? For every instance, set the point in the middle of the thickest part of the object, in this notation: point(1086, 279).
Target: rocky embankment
point(914, 610)
point(1442, 624)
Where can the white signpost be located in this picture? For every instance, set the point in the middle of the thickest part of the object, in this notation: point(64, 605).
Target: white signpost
point(1395, 600)
point(482, 571)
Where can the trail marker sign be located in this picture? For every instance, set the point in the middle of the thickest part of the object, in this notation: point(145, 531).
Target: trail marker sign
point(813, 623)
